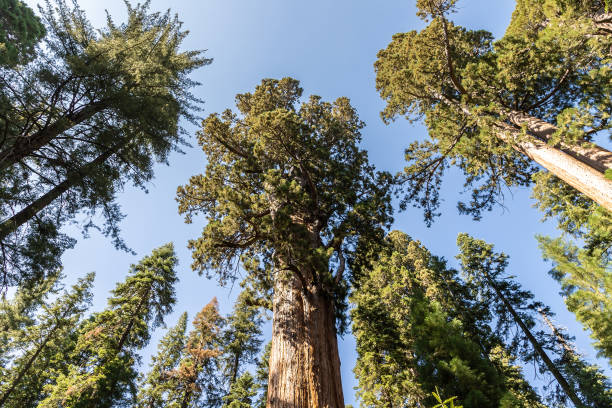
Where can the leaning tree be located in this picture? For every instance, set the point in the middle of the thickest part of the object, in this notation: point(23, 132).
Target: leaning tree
point(497, 110)
point(287, 191)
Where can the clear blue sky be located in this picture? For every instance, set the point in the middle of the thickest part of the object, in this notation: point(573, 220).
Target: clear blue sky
point(330, 47)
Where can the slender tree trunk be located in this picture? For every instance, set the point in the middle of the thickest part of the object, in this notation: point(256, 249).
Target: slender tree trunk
point(26, 145)
point(33, 358)
point(26, 368)
point(304, 361)
point(537, 347)
point(72, 178)
point(581, 167)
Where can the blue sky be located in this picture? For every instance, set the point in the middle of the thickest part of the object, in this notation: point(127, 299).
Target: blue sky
point(330, 46)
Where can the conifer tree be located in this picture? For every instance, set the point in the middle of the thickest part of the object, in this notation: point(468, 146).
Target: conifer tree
point(287, 188)
point(242, 336)
point(411, 339)
point(197, 376)
point(588, 378)
point(584, 273)
point(242, 392)
point(486, 268)
point(103, 374)
point(93, 112)
point(44, 347)
point(159, 382)
point(17, 313)
point(496, 110)
point(261, 377)
point(20, 30)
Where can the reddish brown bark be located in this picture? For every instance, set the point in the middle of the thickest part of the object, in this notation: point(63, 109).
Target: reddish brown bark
point(304, 361)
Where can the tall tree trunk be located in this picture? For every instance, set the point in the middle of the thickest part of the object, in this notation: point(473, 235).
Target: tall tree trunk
point(582, 167)
point(304, 361)
point(72, 178)
point(590, 154)
point(26, 145)
point(578, 174)
point(536, 346)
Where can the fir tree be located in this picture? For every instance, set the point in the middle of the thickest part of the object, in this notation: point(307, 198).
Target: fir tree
point(288, 190)
point(261, 377)
point(513, 308)
point(242, 392)
point(197, 376)
point(160, 382)
point(103, 374)
point(588, 378)
point(44, 348)
point(20, 30)
point(93, 112)
point(242, 336)
point(581, 256)
point(411, 339)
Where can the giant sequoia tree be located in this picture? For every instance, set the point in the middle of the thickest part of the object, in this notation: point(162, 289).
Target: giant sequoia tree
point(537, 96)
point(93, 111)
point(287, 188)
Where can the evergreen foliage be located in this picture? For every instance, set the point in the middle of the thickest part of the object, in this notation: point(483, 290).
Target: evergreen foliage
point(514, 308)
point(548, 78)
point(242, 392)
point(103, 373)
point(242, 337)
point(20, 30)
point(581, 256)
point(93, 112)
point(197, 376)
point(159, 382)
point(41, 347)
point(285, 185)
point(411, 337)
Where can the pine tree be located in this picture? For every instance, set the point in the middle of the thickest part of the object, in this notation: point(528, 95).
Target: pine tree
point(498, 109)
point(588, 378)
point(17, 313)
point(159, 383)
point(513, 307)
point(20, 30)
point(242, 392)
point(242, 336)
point(411, 338)
point(197, 376)
point(288, 189)
point(103, 374)
point(44, 347)
point(93, 112)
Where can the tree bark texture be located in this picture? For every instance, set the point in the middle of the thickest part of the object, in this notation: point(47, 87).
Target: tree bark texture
point(304, 361)
point(584, 177)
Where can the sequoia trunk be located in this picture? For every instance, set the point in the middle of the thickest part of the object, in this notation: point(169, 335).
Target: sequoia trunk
point(304, 361)
point(577, 173)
